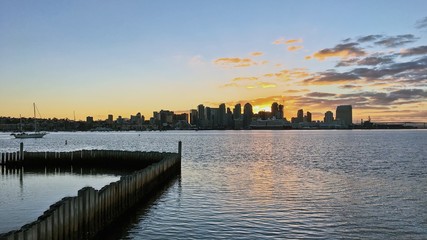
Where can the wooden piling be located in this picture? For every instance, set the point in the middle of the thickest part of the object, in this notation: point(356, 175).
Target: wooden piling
point(83, 216)
point(21, 151)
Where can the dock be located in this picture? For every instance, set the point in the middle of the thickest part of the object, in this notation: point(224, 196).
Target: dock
point(91, 211)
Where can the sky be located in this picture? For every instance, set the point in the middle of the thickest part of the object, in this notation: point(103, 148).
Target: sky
point(94, 58)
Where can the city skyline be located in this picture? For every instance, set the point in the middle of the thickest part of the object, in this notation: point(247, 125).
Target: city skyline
point(96, 59)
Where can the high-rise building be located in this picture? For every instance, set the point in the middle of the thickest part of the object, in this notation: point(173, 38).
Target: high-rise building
point(281, 113)
point(247, 115)
point(222, 119)
point(194, 117)
point(274, 109)
point(329, 117)
point(166, 117)
point(229, 118)
point(237, 111)
point(137, 119)
point(308, 117)
point(202, 122)
point(89, 119)
point(344, 114)
point(214, 117)
point(201, 110)
point(300, 116)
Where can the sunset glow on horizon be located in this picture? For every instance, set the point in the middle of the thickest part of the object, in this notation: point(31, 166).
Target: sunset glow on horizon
point(103, 57)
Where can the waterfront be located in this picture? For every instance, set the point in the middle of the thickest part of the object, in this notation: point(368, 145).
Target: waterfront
point(265, 184)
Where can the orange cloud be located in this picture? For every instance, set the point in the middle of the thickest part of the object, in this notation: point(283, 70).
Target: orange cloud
point(294, 48)
point(284, 41)
point(341, 50)
point(235, 62)
point(229, 85)
point(289, 74)
point(307, 57)
point(245, 79)
point(255, 54)
point(266, 85)
point(293, 41)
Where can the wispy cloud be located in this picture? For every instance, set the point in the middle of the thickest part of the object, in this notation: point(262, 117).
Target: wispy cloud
point(345, 50)
point(284, 41)
point(331, 77)
point(420, 24)
point(349, 86)
point(294, 48)
point(236, 79)
point(235, 62)
point(369, 38)
point(289, 74)
point(228, 85)
point(388, 41)
point(368, 61)
point(267, 85)
point(255, 54)
point(421, 50)
point(396, 41)
point(414, 71)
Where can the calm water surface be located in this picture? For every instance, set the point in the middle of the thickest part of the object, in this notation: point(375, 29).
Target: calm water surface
point(263, 184)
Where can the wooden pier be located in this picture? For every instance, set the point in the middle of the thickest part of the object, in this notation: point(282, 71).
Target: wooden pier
point(91, 211)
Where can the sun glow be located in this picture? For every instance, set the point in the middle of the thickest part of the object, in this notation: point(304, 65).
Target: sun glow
point(258, 108)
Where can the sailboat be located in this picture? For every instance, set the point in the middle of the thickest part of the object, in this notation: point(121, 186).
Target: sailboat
point(35, 134)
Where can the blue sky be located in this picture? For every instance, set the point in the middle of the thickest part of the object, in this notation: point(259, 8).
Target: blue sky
point(101, 57)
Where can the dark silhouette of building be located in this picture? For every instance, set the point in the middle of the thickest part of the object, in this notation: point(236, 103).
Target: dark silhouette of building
point(110, 119)
point(300, 116)
point(308, 117)
point(247, 115)
point(281, 113)
point(274, 109)
point(202, 116)
point(222, 119)
point(230, 123)
point(194, 117)
point(344, 114)
point(329, 117)
point(237, 111)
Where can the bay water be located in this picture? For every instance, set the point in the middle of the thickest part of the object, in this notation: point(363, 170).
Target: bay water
point(324, 184)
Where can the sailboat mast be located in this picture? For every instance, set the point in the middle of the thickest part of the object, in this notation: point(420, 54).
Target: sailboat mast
point(35, 122)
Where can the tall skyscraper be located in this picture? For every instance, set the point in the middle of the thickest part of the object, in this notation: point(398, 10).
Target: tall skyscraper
point(229, 118)
point(344, 114)
point(274, 109)
point(281, 113)
point(300, 116)
point(329, 117)
point(247, 115)
point(194, 117)
point(237, 111)
point(222, 119)
point(201, 110)
point(308, 117)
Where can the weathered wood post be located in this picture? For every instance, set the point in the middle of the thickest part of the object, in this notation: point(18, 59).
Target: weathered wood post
point(180, 149)
point(21, 151)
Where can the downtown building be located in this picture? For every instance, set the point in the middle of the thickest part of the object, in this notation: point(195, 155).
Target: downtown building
point(344, 116)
